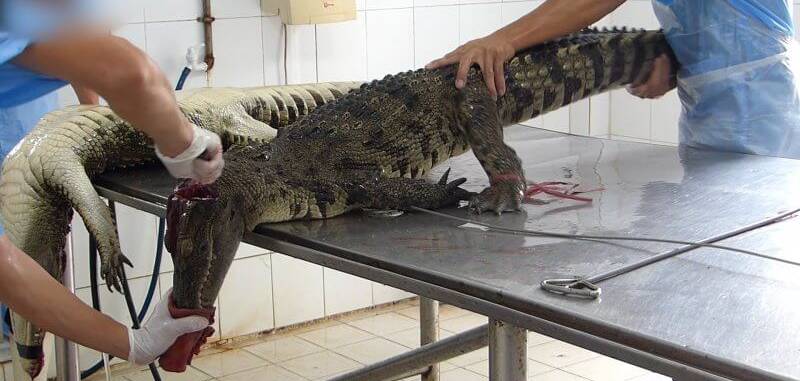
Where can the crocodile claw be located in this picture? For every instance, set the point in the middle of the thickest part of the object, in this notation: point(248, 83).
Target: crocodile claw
point(111, 270)
point(499, 198)
point(443, 179)
point(455, 193)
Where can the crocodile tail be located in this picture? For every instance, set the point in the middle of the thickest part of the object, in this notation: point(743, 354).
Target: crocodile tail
point(555, 74)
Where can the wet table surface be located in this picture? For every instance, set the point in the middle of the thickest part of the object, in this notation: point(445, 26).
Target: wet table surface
point(735, 312)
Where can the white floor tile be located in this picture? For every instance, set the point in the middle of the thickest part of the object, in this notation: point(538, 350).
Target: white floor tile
point(384, 323)
point(283, 349)
point(336, 336)
point(463, 323)
point(534, 368)
point(605, 369)
point(372, 351)
point(268, 373)
point(191, 374)
point(558, 375)
point(227, 363)
point(471, 358)
point(446, 312)
point(320, 365)
point(408, 338)
point(535, 339)
point(559, 354)
point(460, 374)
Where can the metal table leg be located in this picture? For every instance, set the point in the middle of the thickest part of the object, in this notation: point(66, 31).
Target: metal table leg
point(508, 352)
point(68, 368)
point(429, 331)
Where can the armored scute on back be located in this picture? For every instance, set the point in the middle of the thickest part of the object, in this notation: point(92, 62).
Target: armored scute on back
point(372, 148)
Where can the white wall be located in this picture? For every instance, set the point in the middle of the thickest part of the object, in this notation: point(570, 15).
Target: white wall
point(265, 290)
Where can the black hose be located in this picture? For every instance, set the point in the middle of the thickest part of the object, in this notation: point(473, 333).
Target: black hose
point(147, 301)
point(134, 317)
point(182, 79)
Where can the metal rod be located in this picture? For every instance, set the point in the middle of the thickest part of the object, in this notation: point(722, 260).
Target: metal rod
point(508, 352)
point(429, 331)
point(416, 361)
point(586, 287)
point(68, 367)
point(657, 258)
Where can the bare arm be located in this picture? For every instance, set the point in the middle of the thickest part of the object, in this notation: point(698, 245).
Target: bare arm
point(86, 96)
point(554, 18)
point(30, 291)
point(122, 74)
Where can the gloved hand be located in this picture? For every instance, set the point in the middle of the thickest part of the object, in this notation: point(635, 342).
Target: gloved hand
point(159, 332)
point(202, 161)
point(658, 83)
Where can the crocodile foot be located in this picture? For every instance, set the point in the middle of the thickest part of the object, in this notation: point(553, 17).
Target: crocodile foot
point(180, 354)
point(111, 269)
point(502, 196)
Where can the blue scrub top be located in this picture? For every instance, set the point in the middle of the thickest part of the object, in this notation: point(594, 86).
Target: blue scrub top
point(19, 85)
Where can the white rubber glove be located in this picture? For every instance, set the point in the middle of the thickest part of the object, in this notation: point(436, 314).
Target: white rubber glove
point(159, 332)
point(202, 161)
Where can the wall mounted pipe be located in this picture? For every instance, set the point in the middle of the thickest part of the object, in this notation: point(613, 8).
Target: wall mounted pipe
point(207, 19)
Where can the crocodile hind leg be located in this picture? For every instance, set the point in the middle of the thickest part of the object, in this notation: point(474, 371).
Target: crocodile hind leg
point(402, 193)
point(484, 133)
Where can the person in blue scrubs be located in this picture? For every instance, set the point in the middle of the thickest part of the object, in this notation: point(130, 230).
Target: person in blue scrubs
point(45, 44)
point(737, 79)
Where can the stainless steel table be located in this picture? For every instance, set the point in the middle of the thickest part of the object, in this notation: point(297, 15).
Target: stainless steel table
point(707, 314)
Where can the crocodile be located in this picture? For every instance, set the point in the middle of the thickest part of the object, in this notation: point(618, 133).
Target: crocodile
point(49, 173)
point(370, 148)
point(373, 148)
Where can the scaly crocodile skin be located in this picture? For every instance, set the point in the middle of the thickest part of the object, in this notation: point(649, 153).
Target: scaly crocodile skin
point(49, 173)
point(371, 148)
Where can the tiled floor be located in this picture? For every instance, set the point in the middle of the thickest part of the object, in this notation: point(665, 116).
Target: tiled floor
point(323, 350)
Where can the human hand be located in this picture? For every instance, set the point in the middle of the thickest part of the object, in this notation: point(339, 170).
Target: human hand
point(201, 161)
point(490, 53)
point(159, 332)
point(658, 83)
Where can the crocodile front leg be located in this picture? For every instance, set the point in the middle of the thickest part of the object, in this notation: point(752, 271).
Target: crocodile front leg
point(484, 133)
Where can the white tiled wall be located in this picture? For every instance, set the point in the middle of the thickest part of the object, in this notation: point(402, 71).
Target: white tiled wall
point(266, 290)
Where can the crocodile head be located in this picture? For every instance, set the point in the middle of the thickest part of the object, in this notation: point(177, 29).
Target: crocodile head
point(204, 227)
